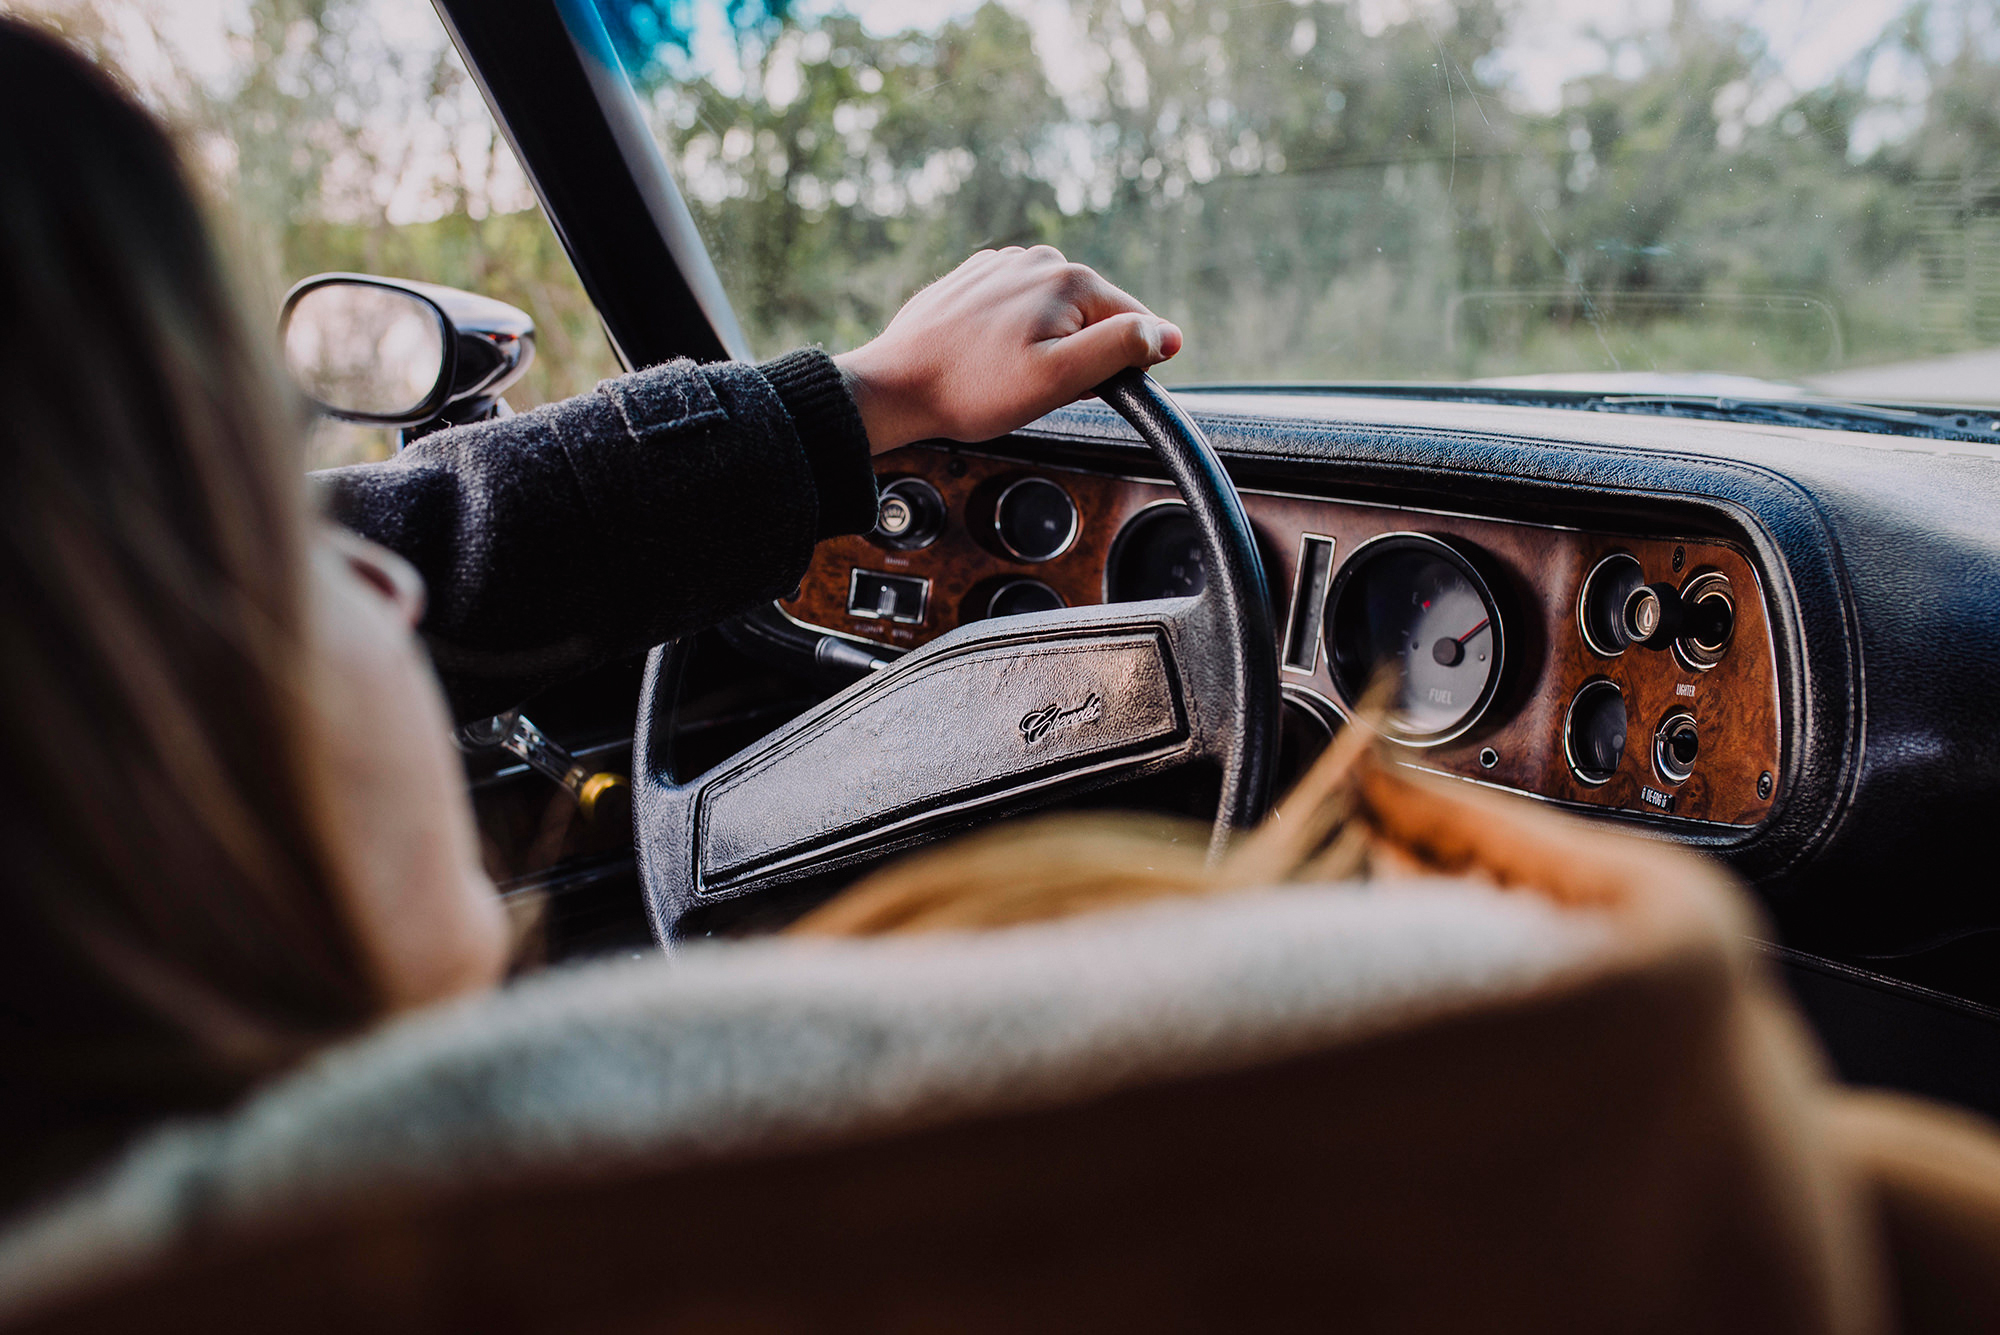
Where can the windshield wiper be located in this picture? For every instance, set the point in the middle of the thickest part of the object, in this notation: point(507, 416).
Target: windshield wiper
point(1932, 422)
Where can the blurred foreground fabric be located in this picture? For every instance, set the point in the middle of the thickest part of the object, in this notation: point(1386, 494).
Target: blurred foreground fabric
point(1419, 1104)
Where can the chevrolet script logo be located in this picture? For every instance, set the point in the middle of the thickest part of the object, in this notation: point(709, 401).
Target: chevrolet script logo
point(1039, 723)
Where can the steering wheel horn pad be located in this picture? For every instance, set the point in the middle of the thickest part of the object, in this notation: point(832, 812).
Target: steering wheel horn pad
point(990, 718)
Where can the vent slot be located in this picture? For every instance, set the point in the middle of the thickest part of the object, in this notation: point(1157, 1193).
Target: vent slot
point(1308, 603)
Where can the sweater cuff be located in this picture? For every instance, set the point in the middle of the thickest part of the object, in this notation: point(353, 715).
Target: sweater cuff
point(830, 430)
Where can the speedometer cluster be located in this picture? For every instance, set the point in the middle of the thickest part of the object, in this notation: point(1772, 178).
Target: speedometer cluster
point(1607, 670)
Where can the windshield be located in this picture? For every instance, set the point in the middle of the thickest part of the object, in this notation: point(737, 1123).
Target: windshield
point(1645, 197)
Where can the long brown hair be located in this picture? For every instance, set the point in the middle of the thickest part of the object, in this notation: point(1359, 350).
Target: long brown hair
point(169, 924)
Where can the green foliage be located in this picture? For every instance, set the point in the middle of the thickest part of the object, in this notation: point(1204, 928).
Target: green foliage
point(1315, 197)
point(1310, 190)
point(826, 204)
point(302, 172)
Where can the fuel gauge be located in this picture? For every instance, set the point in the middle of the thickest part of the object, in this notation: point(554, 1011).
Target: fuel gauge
point(1412, 606)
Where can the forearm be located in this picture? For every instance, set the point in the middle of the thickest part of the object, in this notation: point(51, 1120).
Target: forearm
point(662, 502)
point(670, 498)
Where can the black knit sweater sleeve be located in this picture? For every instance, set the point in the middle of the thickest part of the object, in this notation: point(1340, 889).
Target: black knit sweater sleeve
point(660, 503)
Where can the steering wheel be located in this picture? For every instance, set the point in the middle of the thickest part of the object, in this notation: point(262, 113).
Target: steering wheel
point(989, 718)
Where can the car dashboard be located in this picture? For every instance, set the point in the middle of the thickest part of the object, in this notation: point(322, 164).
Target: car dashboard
point(1507, 639)
point(1842, 758)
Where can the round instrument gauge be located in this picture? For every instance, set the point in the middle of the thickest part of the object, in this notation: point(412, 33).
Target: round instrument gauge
point(1594, 731)
point(1018, 596)
point(1411, 606)
point(1600, 608)
point(1158, 554)
point(1035, 519)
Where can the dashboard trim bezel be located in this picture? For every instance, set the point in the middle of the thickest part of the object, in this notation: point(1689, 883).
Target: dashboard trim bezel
point(1278, 471)
point(1583, 600)
point(1626, 474)
point(1569, 718)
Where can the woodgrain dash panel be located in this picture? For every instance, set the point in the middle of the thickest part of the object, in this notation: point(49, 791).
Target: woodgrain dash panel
point(1536, 573)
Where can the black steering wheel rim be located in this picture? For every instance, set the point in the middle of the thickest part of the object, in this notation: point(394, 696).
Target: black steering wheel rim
point(1148, 686)
point(1235, 577)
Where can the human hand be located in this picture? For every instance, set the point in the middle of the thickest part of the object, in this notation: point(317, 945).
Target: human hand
point(1003, 338)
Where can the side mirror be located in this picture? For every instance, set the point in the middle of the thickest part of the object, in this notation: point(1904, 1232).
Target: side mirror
point(390, 352)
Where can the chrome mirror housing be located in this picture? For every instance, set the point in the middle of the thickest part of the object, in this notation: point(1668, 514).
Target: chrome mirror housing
point(396, 353)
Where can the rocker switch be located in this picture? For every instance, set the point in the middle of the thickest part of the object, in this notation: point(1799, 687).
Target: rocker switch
point(875, 596)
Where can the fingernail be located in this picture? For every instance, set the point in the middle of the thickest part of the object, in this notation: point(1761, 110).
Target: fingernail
point(1155, 337)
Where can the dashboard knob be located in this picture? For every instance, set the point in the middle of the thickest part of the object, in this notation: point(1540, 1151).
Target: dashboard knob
point(1676, 746)
point(1653, 615)
point(910, 515)
point(897, 517)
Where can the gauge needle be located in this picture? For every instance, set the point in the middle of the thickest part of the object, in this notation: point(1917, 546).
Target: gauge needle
point(1449, 652)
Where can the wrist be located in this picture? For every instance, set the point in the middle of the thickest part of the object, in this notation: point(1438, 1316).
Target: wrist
point(886, 412)
point(832, 435)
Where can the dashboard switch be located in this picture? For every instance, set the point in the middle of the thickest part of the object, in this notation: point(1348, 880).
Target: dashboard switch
point(875, 596)
point(1684, 743)
point(911, 515)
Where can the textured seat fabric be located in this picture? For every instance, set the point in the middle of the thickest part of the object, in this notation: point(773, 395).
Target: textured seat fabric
point(733, 1049)
point(1421, 1105)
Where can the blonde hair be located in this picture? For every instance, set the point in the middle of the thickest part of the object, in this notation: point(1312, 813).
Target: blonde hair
point(1352, 817)
point(1062, 865)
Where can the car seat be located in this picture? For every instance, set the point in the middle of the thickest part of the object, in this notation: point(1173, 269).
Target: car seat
point(1418, 1105)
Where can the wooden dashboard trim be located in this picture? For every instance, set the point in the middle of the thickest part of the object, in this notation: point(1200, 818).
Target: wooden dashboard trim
point(1536, 570)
